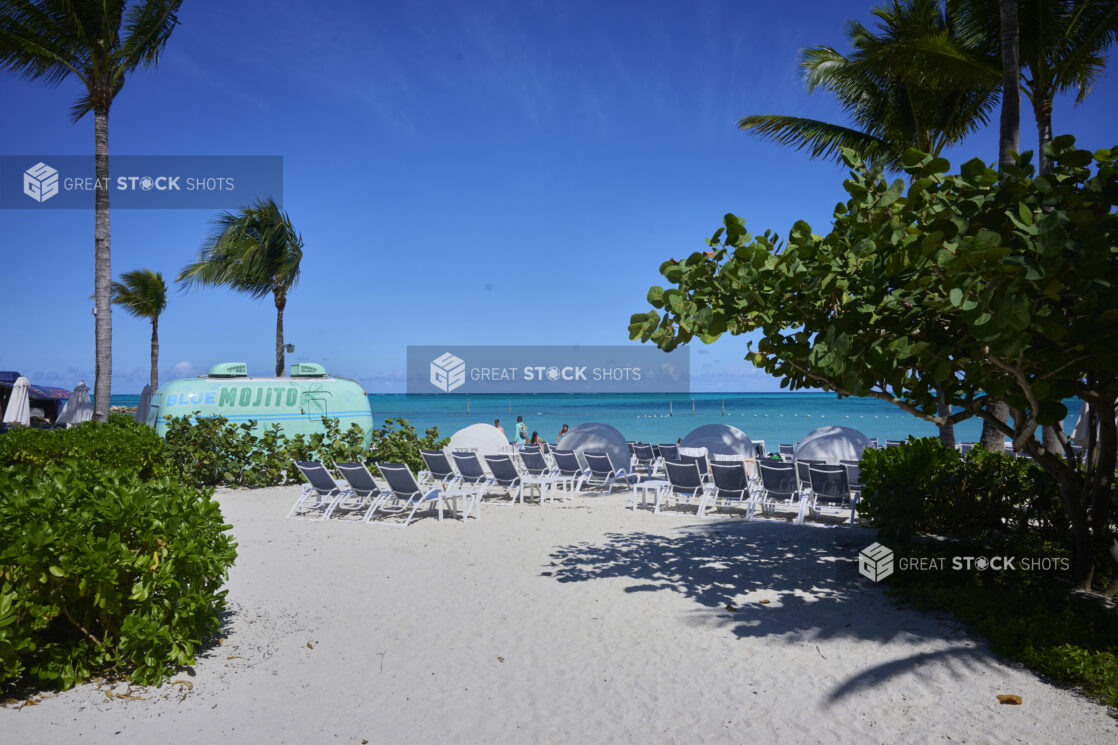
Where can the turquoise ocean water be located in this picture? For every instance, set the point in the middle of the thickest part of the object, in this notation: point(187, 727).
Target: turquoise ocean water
point(773, 417)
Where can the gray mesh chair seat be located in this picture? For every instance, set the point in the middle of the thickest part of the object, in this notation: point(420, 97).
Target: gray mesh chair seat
point(643, 459)
point(778, 483)
point(439, 468)
point(600, 471)
point(366, 493)
point(507, 477)
point(319, 493)
point(668, 451)
point(404, 495)
point(687, 483)
point(569, 473)
point(539, 474)
point(828, 487)
point(732, 486)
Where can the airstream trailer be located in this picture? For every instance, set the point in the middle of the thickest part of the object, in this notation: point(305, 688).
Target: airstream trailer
point(297, 403)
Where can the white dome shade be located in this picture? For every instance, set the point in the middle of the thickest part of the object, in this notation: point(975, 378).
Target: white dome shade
point(595, 436)
point(832, 444)
point(719, 439)
point(484, 438)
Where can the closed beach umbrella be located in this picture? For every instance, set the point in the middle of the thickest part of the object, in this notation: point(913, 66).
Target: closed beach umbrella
point(79, 408)
point(19, 404)
point(144, 408)
point(719, 439)
point(595, 436)
point(484, 438)
point(832, 444)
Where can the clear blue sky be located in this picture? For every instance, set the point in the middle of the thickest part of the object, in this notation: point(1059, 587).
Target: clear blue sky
point(469, 173)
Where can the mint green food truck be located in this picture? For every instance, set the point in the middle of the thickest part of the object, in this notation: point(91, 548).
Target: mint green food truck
point(296, 403)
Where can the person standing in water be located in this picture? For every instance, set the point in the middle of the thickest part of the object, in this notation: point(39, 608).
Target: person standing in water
point(562, 432)
point(497, 424)
point(521, 432)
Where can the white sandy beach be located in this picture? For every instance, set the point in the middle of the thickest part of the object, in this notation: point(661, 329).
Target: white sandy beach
point(576, 623)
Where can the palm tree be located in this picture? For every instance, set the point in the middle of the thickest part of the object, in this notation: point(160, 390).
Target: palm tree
point(893, 101)
point(100, 42)
point(144, 294)
point(1062, 46)
point(256, 251)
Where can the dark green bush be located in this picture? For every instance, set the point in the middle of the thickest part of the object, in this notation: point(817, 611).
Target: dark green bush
point(924, 487)
point(102, 572)
point(398, 442)
point(120, 444)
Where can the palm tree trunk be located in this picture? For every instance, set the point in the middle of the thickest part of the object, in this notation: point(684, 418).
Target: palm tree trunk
point(155, 354)
point(1042, 109)
point(281, 302)
point(102, 273)
point(1011, 84)
point(1008, 144)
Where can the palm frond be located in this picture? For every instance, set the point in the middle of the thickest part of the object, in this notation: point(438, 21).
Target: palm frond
point(141, 292)
point(821, 139)
point(255, 251)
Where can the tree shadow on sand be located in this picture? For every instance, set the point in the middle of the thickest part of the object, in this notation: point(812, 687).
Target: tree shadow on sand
point(808, 577)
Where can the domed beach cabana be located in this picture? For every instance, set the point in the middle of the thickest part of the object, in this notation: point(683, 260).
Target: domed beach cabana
point(597, 436)
point(720, 439)
point(831, 444)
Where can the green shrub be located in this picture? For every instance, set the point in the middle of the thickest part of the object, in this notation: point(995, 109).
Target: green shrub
point(120, 444)
point(211, 450)
point(398, 442)
point(102, 572)
point(923, 486)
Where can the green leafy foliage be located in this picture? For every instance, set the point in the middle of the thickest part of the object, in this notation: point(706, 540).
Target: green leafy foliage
point(971, 287)
point(925, 487)
point(119, 444)
point(398, 442)
point(103, 572)
point(212, 450)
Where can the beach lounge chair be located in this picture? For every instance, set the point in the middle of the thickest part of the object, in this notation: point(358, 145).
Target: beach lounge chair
point(537, 473)
point(803, 472)
point(787, 451)
point(686, 483)
point(469, 468)
point(668, 451)
point(701, 461)
point(405, 495)
point(778, 482)
point(365, 492)
point(600, 471)
point(319, 493)
point(731, 484)
point(892, 443)
point(854, 482)
point(828, 486)
point(438, 469)
point(568, 471)
point(507, 477)
point(643, 460)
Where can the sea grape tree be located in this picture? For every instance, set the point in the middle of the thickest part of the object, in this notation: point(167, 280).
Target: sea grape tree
point(968, 286)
